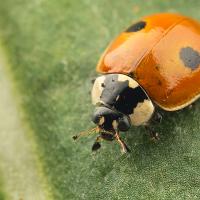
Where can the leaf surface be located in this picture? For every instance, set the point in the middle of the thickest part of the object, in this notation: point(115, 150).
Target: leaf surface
point(52, 48)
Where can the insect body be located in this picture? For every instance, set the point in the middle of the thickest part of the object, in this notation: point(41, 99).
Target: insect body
point(154, 62)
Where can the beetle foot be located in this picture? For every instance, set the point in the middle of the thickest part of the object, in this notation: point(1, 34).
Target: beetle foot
point(96, 146)
point(154, 137)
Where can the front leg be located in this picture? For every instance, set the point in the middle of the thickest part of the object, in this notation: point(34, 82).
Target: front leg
point(103, 136)
point(124, 147)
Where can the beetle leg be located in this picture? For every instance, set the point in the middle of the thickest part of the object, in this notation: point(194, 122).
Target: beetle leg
point(157, 117)
point(153, 135)
point(124, 147)
point(190, 106)
point(97, 144)
point(85, 133)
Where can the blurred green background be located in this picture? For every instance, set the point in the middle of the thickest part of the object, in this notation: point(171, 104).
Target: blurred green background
point(49, 50)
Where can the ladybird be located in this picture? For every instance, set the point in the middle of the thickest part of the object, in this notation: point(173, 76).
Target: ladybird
point(154, 63)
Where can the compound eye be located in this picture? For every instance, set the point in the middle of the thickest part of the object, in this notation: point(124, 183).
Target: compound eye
point(97, 90)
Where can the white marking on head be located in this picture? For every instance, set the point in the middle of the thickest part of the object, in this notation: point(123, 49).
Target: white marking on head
point(131, 83)
point(115, 124)
point(142, 113)
point(102, 120)
point(97, 89)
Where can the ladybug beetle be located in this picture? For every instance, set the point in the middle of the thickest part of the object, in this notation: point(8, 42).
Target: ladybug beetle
point(154, 63)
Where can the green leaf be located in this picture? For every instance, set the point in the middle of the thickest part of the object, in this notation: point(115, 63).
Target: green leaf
point(51, 48)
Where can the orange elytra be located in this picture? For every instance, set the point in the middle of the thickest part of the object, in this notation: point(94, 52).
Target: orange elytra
point(156, 61)
point(163, 57)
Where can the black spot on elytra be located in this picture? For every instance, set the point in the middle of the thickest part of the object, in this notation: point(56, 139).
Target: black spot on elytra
point(157, 67)
point(159, 82)
point(136, 27)
point(190, 57)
